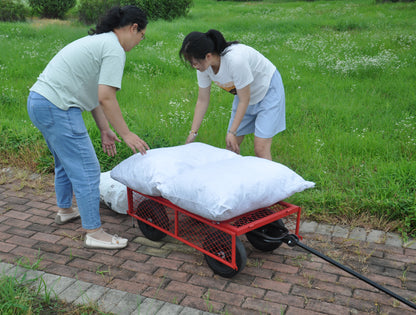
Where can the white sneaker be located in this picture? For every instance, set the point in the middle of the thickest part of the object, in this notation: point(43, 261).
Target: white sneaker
point(62, 218)
point(116, 242)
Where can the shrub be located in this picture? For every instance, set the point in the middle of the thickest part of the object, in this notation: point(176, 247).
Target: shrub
point(55, 9)
point(89, 11)
point(162, 9)
point(12, 11)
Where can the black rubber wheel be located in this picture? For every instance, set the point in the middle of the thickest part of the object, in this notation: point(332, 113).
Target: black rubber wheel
point(154, 212)
point(222, 250)
point(275, 229)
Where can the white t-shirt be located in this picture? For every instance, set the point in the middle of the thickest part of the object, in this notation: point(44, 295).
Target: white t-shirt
point(241, 66)
point(72, 77)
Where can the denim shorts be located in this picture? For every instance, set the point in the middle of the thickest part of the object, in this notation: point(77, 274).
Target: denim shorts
point(266, 118)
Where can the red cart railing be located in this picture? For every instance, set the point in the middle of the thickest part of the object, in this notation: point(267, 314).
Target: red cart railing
point(218, 241)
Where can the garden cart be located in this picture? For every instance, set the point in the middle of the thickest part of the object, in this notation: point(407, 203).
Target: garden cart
point(266, 229)
point(218, 241)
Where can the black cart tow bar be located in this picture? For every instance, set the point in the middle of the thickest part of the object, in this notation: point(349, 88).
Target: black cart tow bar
point(293, 240)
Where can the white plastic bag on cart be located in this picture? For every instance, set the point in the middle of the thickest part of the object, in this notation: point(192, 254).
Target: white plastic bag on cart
point(214, 183)
point(145, 173)
point(225, 189)
point(113, 193)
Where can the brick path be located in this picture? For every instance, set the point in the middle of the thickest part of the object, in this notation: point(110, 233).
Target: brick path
point(286, 281)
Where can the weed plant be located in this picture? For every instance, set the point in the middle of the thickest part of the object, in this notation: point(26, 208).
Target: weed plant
point(349, 73)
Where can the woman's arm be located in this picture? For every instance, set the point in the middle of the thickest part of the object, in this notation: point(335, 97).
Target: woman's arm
point(243, 101)
point(200, 110)
point(108, 137)
point(111, 109)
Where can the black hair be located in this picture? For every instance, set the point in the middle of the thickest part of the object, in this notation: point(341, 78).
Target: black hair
point(118, 17)
point(197, 45)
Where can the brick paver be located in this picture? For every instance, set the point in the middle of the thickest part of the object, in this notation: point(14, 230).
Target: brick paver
point(172, 278)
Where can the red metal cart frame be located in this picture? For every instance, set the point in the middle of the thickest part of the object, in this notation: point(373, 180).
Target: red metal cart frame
point(218, 240)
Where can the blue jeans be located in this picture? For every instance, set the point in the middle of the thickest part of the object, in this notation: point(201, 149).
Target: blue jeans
point(77, 169)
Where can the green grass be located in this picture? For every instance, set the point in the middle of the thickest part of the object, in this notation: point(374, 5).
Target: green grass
point(349, 74)
point(16, 298)
point(25, 292)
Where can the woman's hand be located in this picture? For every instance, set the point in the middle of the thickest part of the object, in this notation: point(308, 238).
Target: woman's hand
point(232, 143)
point(191, 137)
point(108, 140)
point(232, 140)
point(135, 143)
point(200, 110)
point(109, 111)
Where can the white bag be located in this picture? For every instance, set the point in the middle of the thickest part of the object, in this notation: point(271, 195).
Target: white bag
point(113, 193)
point(145, 173)
point(225, 189)
point(214, 183)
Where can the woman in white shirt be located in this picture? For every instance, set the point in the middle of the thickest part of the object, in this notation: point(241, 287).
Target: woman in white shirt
point(259, 102)
point(85, 76)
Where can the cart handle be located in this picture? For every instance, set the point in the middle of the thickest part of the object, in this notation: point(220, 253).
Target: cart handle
point(292, 240)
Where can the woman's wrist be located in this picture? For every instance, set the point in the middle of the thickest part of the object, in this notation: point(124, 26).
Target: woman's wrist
point(193, 132)
point(234, 133)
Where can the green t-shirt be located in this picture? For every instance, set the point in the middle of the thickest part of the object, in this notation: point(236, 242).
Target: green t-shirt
point(72, 77)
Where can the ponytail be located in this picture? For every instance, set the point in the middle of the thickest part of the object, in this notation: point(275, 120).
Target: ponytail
point(197, 45)
point(118, 17)
point(220, 44)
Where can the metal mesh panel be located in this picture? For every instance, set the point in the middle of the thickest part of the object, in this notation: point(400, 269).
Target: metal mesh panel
point(153, 212)
point(193, 230)
point(289, 221)
point(205, 236)
point(199, 234)
point(220, 244)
